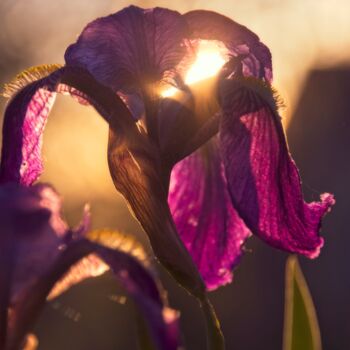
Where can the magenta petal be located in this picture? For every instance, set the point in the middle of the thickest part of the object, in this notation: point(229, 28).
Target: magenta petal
point(27, 112)
point(24, 123)
point(238, 39)
point(207, 222)
point(131, 47)
point(263, 180)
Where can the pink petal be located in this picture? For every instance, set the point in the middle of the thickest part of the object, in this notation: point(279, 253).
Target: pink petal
point(263, 180)
point(24, 123)
point(26, 116)
point(207, 222)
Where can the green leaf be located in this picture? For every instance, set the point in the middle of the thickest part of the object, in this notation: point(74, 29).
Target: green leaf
point(301, 330)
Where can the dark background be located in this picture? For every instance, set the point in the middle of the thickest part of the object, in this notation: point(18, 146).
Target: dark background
point(310, 43)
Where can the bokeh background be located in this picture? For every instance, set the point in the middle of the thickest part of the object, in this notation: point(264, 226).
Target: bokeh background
point(310, 44)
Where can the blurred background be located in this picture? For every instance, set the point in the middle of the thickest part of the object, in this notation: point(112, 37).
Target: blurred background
point(310, 45)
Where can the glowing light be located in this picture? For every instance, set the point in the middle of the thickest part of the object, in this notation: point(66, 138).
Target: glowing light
point(210, 58)
point(207, 64)
point(169, 92)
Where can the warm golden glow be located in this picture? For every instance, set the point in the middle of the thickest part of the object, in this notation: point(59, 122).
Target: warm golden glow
point(210, 58)
point(207, 64)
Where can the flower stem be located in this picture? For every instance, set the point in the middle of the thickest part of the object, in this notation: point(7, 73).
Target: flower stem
point(215, 338)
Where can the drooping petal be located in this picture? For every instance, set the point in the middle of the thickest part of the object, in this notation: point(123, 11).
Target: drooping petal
point(239, 40)
point(92, 266)
point(138, 282)
point(27, 112)
point(263, 180)
point(137, 175)
point(205, 218)
point(130, 48)
point(25, 119)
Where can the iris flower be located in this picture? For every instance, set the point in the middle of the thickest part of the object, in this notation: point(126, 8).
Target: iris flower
point(202, 165)
point(41, 257)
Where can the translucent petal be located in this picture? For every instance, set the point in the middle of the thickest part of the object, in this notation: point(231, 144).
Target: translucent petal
point(131, 48)
point(239, 40)
point(27, 112)
point(263, 180)
point(207, 222)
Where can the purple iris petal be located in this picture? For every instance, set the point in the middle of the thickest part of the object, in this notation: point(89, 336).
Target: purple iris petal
point(239, 40)
point(131, 47)
point(207, 222)
point(26, 116)
point(36, 250)
point(263, 180)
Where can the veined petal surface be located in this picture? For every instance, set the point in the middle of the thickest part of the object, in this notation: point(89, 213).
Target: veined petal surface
point(24, 122)
point(131, 48)
point(27, 112)
point(239, 40)
point(205, 218)
point(263, 179)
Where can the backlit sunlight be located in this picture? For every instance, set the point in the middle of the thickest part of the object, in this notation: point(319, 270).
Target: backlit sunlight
point(210, 58)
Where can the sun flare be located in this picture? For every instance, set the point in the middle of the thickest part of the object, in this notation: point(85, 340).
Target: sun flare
point(210, 58)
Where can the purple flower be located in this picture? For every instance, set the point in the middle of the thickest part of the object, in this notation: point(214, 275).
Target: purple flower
point(218, 144)
point(41, 257)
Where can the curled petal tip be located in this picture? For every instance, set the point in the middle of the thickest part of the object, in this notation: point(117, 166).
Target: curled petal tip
point(316, 252)
point(328, 200)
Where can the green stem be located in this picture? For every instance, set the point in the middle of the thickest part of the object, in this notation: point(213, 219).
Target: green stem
point(215, 338)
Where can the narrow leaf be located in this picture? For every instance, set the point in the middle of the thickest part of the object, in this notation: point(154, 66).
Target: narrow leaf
point(301, 330)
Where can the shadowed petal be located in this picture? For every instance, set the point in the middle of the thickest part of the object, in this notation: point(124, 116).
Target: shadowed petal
point(19, 209)
point(130, 48)
point(188, 120)
point(136, 174)
point(36, 250)
point(91, 265)
point(207, 222)
point(239, 40)
point(137, 281)
point(263, 180)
